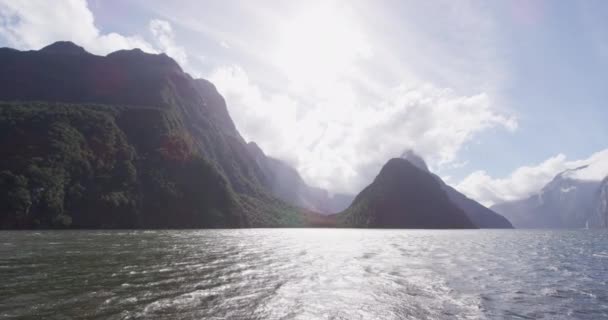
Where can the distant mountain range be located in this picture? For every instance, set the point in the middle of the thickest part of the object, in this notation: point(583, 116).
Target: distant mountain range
point(129, 140)
point(568, 201)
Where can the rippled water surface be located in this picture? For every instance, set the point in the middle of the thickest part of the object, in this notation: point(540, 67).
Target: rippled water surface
point(304, 274)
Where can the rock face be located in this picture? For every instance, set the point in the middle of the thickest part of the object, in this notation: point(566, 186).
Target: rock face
point(599, 213)
point(404, 196)
point(565, 202)
point(287, 184)
point(481, 216)
point(125, 140)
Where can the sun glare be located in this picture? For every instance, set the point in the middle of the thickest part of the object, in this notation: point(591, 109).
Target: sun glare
point(320, 45)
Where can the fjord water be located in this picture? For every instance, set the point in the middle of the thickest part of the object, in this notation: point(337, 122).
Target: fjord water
point(304, 274)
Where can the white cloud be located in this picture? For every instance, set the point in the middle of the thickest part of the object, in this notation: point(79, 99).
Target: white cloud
point(596, 167)
point(353, 95)
point(339, 143)
point(521, 183)
point(527, 180)
point(319, 45)
point(38, 23)
point(35, 24)
point(163, 33)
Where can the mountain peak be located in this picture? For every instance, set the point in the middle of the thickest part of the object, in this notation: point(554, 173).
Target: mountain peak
point(395, 164)
point(411, 156)
point(64, 47)
point(568, 173)
point(404, 196)
point(137, 55)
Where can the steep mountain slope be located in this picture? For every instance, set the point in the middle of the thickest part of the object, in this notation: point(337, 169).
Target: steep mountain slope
point(287, 184)
point(404, 196)
point(481, 216)
point(158, 148)
point(565, 202)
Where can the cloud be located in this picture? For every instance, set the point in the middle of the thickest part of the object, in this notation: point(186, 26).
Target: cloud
point(521, 183)
point(35, 24)
point(165, 38)
point(528, 180)
point(317, 54)
point(351, 95)
point(340, 143)
point(596, 167)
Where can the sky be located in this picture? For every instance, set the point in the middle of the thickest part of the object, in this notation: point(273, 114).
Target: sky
point(497, 96)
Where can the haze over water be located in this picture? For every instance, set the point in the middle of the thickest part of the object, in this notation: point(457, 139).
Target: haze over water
point(304, 274)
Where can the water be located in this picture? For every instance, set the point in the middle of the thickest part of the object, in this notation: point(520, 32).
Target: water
point(304, 274)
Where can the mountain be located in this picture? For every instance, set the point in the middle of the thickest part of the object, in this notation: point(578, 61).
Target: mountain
point(404, 196)
point(481, 216)
point(287, 184)
point(126, 140)
point(565, 202)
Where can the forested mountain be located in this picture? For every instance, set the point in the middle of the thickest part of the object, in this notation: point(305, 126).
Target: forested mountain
point(124, 140)
point(64, 72)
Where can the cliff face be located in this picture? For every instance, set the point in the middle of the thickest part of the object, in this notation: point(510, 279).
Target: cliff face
point(599, 213)
point(404, 196)
point(602, 204)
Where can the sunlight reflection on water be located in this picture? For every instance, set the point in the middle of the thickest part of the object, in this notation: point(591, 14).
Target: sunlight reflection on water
point(304, 274)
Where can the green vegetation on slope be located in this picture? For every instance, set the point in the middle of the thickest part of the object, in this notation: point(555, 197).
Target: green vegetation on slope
point(92, 166)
